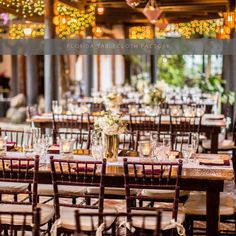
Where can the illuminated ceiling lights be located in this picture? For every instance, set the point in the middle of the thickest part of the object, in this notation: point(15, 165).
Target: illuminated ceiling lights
point(26, 30)
point(71, 22)
point(133, 3)
point(100, 9)
point(27, 8)
point(141, 32)
point(151, 11)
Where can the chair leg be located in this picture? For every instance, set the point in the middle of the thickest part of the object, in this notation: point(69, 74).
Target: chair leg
point(140, 203)
point(74, 200)
point(88, 200)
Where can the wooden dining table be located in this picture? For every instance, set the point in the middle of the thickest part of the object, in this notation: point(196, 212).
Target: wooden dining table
point(195, 176)
point(211, 125)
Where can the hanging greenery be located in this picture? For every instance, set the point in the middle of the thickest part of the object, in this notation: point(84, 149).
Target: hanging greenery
point(171, 70)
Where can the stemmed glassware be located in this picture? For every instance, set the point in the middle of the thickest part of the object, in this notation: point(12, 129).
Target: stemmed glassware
point(97, 151)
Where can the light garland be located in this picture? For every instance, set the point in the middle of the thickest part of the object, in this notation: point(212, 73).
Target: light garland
point(27, 30)
point(206, 28)
point(141, 32)
point(70, 21)
point(27, 8)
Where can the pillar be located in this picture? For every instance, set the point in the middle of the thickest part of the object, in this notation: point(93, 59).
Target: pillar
point(31, 80)
point(153, 68)
point(14, 81)
point(50, 79)
point(21, 75)
point(88, 68)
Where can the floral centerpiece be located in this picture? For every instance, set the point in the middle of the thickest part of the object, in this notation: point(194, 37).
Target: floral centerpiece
point(112, 100)
point(110, 126)
point(152, 98)
point(141, 82)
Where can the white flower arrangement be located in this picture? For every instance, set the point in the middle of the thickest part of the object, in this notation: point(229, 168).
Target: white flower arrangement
point(110, 124)
point(141, 81)
point(112, 99)
point(153, 96)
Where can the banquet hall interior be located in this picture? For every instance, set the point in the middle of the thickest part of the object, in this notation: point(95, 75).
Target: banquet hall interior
point(117, 117)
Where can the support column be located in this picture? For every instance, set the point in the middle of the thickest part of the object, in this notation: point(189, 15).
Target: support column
point(88, 68)
point(113, 69)
point(153, 68)
point(21, 77)
point(31, 80)
point(99, 72)
point(50, 79)
point(14, 81)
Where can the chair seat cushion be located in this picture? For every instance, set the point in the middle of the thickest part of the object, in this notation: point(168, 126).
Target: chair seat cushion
point(162, 194)
point(150, 222)
point(47, 190)
point(47, 213)
point(67, 220)
point(13, 187)
point(223, 145)
point(110, 191)
point(196, 204)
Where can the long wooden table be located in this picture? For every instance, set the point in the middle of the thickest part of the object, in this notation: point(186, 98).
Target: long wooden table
point(210, 125)
point(194, 177)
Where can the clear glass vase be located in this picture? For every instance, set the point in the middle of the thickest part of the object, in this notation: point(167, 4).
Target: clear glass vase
point(110, 145)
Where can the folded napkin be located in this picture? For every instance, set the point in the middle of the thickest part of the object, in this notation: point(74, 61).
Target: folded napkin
point(21, 166)
point(150, 172)
point(54, 149)
point(214, 162)
point(128, 153)
point(10, 145)
point(83, 169)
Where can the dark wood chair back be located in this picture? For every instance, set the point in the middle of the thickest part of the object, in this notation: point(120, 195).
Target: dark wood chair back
point(127, 218)
point(77, 173)
point(149, 175)
point(21, 227)
point(18, 137)
point(144, 122)
point(20, 170)
point(75, 127)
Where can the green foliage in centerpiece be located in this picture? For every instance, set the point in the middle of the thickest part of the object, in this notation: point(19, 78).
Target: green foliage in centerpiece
point(153, 96)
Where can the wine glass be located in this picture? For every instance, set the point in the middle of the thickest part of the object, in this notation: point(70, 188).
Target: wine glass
point(166, 146)
point(96, 145)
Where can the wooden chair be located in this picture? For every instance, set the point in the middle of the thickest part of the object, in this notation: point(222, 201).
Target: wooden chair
point(123, 221)
point(182, 129)
point(73, 127)
point(76, 174)
point(146, 176)
point(16, 139)
point(23, 170)
point(16, 223)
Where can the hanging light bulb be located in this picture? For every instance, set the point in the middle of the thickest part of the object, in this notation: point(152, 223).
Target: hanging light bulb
point(133, 3)
point(230, 19)
point(151, 11)
point(100, 9)
point(27, 31)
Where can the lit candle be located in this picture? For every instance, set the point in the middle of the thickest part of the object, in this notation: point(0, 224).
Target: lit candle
point(66, 148)
point(172, 157)
point(145, 148)
point(133, 109)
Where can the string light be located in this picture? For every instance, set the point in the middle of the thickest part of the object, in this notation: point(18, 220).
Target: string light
point(206, 28)
point(71, 22)
point(27, 30)
point(27, 8)
point(141, 32)
point(100, 9)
